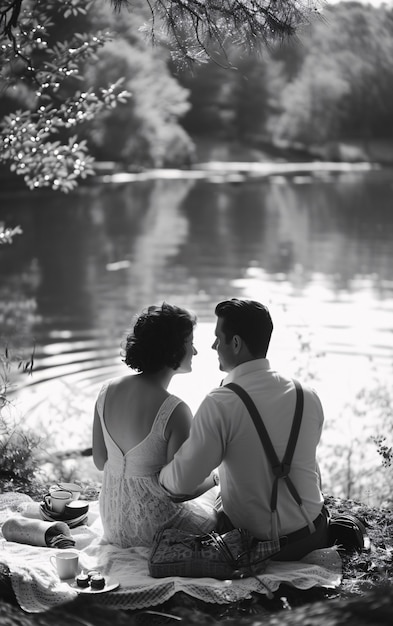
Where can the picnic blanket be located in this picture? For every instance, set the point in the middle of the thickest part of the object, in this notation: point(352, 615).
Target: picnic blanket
point(37, 587)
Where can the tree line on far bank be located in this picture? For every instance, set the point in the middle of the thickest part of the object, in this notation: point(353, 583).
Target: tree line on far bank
point(334, 84)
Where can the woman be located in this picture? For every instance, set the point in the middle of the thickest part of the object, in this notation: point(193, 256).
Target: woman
point(138, 427)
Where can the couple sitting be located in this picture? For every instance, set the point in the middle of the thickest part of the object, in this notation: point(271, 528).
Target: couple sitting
point(157, 459)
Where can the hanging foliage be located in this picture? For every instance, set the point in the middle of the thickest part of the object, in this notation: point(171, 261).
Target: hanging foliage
point(39, 141)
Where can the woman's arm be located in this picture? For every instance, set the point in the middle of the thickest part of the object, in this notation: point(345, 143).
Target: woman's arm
point(177, 429)
point(100, 453)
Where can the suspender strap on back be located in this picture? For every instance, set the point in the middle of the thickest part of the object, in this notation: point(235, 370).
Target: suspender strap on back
point(282, 468)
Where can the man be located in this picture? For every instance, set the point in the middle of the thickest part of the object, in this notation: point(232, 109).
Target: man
point(224, 436)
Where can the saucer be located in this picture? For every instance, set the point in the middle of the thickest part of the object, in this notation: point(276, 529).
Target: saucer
point(110, 585)
point(75, 508)
point(50, 516)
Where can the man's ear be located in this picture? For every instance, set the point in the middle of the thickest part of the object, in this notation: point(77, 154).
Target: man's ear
point(236, 343)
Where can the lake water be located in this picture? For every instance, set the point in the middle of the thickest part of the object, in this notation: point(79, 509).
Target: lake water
point(315, 247)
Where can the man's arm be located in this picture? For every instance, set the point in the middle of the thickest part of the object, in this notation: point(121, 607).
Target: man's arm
point(211, 481)
point(190, 473)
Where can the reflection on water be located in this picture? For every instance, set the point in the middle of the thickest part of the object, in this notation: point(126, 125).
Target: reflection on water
point(317, 250)
point(99, 255)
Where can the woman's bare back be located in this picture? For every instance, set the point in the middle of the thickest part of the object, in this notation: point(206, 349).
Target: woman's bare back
point(131, 406)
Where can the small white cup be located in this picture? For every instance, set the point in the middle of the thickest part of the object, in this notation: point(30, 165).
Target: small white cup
point(66, 563)
point(73, 487)
point(56, 500)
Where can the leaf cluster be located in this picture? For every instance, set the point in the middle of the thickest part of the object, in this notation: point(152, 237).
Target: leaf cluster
point(7, 362)
point(385, 450)
point(19, 464)
point(7, 234)
point(36, 141)
point(19, 459)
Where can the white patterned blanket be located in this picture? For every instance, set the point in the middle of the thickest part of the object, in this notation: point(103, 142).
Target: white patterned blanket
point(38, 588)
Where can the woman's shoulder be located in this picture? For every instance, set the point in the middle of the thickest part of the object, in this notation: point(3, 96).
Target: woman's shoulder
point(111, 384)
point(171, 405)
point(119, 381)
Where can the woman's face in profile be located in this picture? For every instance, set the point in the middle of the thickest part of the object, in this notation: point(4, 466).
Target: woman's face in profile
point(186, 364)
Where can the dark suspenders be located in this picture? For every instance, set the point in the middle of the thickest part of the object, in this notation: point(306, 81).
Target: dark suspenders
point(282, 468)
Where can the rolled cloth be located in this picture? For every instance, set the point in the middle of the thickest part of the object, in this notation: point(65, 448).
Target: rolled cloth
point(35, 532)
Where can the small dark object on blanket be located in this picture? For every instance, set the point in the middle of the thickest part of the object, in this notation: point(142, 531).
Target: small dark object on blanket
point(97, 581)
point(235, 554)
point(349, 533)
point(94, 579)
point(82, 580)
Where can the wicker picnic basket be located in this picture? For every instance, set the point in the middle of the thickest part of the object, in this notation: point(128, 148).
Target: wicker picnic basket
point(235, 554)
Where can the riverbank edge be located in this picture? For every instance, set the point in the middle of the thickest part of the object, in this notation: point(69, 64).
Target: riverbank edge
point(236, 161)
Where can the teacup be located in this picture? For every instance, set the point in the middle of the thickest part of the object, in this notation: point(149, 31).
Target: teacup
point(73, 487)
point(57, 499)
point(66, 563)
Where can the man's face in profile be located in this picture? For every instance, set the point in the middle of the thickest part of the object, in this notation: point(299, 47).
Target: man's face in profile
point(224, 350)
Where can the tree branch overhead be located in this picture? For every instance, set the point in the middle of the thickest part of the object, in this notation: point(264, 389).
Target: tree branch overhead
point(195, 28)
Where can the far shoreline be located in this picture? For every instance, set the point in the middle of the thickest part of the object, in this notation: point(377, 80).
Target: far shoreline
point(232, 171)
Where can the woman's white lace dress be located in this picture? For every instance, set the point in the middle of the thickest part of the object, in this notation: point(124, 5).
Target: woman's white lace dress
point(133, 506)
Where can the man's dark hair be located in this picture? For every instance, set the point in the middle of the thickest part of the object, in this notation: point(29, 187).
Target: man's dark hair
point(250, 320)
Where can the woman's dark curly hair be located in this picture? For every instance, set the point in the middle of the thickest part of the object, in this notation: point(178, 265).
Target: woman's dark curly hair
point(158, 339)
